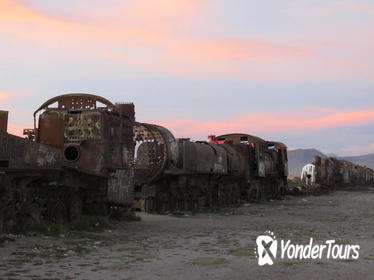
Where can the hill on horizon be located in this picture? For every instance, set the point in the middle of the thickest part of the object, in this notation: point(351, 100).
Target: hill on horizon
point(367, 160)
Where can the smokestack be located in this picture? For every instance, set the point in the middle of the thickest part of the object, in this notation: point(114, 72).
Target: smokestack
point(127, 110)
point(4, 121)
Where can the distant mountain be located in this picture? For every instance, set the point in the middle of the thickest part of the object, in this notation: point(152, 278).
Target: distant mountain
point(367, 160)
point(300, 157)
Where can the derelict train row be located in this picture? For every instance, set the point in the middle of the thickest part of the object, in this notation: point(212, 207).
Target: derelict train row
point(86, 154)
point(330, 173)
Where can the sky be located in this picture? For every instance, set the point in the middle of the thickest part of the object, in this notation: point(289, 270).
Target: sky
point(296, 71)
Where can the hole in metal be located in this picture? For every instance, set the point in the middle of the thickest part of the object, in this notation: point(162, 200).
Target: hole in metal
point(71, 153)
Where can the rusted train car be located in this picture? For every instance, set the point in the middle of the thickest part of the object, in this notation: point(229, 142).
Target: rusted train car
point(331, 173)
point(86, 154)
point(224, 170)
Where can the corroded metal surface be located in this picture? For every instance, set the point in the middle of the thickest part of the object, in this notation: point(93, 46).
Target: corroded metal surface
point(76, 101)
point(83, 126)
point(197, 174)
point(80, 157)
point(18, 153)
point(121, 187)
point(126, 110)
point(151, 151)
point(88, 153)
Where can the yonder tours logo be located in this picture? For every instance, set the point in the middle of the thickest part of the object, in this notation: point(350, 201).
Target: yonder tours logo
point(267, 249)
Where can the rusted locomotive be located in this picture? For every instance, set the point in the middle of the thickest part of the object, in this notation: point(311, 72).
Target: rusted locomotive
point(86, 154)
point(331, 173)
point(222, 171)
point(78, 158)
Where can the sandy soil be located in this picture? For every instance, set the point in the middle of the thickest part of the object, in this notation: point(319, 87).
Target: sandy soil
point(206, 245)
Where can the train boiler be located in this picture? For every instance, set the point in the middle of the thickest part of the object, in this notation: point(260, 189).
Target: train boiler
point(179, 174)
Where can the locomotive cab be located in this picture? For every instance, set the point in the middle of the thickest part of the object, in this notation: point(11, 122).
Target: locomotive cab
point(279, 155)
point(94, 137)
point(256, 147)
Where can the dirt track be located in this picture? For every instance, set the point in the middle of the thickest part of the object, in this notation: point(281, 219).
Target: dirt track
point(205, 246)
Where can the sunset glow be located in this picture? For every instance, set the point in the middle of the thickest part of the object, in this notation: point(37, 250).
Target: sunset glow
point(284, 70)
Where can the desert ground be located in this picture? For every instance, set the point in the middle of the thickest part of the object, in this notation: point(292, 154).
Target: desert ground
point(214, 244)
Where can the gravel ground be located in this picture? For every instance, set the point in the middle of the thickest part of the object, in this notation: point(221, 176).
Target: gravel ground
point(218, 245)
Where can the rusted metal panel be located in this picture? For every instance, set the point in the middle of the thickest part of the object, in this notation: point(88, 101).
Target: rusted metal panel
point(189, 153)
point(83, 126)
point(85, 159)
point(239, 138)
point(11, 149)
point(270, 163)
point(4, 121)
point(204, 158)
point(76, 101)
point(51, 129)
point(121, 187)
point(97, 142)
point(127, 110)
point(239, 162)
point(41, 156)
point(151, 151)
point(19, 153)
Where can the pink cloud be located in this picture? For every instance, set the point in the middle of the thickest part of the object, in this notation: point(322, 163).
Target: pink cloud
point(242, 49)
point(4, 95)
point(308, 119)
point(164, 11)
point(19, 16)
point(149, 35)
point(285, 121)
